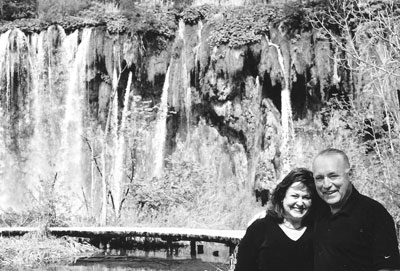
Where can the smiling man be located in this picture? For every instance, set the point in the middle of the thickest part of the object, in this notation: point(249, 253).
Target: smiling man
point(353, 232)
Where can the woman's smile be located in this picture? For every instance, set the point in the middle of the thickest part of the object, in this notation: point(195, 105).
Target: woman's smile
point(296, 202)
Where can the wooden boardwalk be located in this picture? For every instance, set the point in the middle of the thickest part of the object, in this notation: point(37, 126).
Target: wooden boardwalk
point(229, 237)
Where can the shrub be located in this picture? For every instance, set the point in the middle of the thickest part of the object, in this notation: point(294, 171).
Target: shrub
point(190, 194)
point(242, 26)
point(373, 153)
point(192, 15)
point(35, 250)
point(51, 10)
point(17, 9)
point(145, 21)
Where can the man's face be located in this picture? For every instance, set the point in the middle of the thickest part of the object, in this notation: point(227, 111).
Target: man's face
point(332, 180)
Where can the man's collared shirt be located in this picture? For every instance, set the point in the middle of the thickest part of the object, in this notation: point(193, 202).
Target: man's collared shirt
point(361, 236)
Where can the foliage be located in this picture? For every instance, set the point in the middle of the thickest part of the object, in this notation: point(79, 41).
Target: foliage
point(189, 194)
point(146, 21)
point(192, 15)
point(46, 208)
point(34, 250)
point(242, 26)
point(50, 10)
point(181, 4)
point(118, 138)
point(105, 14)
point(367, 33)
point(338, 16)
point(294, 18)
point(17, 9)
point(182, 182)
point(117, 24)
point(372, 151)
point(25, 25)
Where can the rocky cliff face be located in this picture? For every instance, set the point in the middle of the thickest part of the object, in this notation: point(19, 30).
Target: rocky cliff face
point(73, 102)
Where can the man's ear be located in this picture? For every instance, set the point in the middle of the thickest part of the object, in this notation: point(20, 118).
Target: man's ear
point(350, 170)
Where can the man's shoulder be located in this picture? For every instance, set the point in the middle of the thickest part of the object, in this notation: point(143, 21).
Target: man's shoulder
point(370, 202)
point(372, 206)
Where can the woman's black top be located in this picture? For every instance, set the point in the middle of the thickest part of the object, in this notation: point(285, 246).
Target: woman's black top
point(265, 247)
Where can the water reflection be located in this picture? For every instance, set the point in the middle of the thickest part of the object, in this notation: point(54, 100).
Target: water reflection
point(215, 257)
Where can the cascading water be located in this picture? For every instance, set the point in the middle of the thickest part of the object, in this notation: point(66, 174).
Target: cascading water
point(72, 127)
point(43, 144)
point(42, 131)
point(71, 98)
point(16, 120)
point(158, 143)
point(336, 59)
point(4, 155)
point(117, 184)
point(185, 74)
point(286, 114)
point(111, 131)
point(197, 47)
point(188, 100)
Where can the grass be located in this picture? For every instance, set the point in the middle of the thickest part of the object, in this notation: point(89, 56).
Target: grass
point(35, 250)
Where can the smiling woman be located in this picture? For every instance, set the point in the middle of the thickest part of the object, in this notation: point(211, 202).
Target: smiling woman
point(296, 205)
point(282, 240)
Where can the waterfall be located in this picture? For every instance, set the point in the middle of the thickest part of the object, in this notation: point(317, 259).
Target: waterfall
point(42, 134)
point(4, 44)
point(254, 151)
point(286, 115)
point(200, 28)
point(336, 59)
point(112, 175)
point(49, 148)
point(3, 143)
point(188, 98)
point(158, 143)
point(185, 75)
point(15, 116)
point(39, 144)
point(72, 123)
point(119, 172)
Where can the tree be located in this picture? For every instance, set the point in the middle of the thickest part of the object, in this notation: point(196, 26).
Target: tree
point(366, 34)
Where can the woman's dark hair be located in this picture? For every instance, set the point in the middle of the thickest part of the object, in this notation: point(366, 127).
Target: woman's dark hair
point(302, 175)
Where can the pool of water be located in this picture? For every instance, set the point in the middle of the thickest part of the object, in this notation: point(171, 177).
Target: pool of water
point(212, 257)
point(148, 264)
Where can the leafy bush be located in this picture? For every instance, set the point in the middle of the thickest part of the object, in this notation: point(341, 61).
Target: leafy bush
point(51, 10)
point(189, 194)
point(192, 15)
point(242, 26)
point(366, 33)
point(17, 9)
point(372, 151)
point(35, 250)
point(144, 21)
point(294, 18)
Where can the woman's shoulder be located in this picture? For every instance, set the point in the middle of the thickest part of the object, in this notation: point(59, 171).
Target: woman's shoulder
point(262, 223)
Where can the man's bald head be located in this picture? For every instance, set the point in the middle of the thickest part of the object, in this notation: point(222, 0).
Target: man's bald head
point(333, 151)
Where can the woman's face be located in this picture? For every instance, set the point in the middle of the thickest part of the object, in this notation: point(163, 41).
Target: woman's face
point(297, 202)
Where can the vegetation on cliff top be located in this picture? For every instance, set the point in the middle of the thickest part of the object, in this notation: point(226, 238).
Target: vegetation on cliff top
point(242, 26)
point(238, 26)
